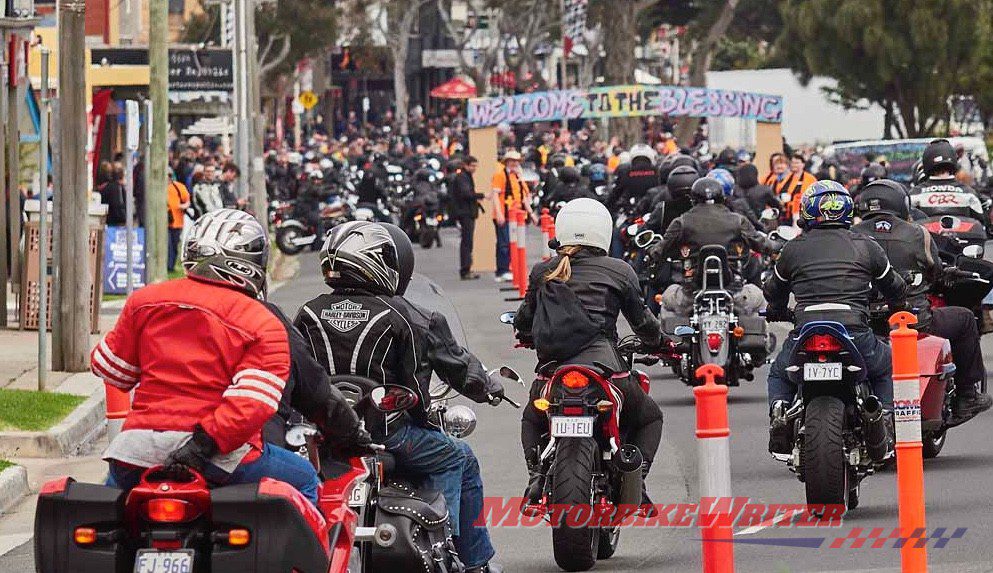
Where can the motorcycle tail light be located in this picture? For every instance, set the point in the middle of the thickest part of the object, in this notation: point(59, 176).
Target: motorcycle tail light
point(714, 341)
point(168, 510)
point(822, 343)
point(85, 535)
point(573, 410)
point(575, 380)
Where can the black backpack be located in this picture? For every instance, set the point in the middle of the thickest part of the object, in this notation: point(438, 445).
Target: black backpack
point(562, 328)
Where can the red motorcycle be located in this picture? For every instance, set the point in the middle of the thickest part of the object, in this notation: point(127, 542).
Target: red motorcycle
point(175, 522)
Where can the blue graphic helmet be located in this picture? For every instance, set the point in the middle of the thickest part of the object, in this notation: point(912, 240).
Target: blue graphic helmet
point(725, 178)
point(598, 173)
point(826, 203)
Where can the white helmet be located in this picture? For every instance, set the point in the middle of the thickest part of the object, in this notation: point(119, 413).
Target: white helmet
point(642, 150)
point(584, 222)
point(624, 157)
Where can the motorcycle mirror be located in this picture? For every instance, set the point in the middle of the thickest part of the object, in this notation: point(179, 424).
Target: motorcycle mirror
point(973, 251)
point(508, 317)
point(644, 238)
point(393, 398)
point(684, 331)
point(510, 374)
point(297, 435)
point(632, 230)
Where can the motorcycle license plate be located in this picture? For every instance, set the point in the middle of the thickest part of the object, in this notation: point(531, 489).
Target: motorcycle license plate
point(718, 324)
point(572, 427)
point(154, 561)
point(359, 495)
point(814, 372)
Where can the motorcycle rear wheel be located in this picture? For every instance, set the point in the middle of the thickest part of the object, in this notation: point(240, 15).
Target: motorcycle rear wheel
point(574, 548)
point(933, 442)
point(825, 468)
point(284, 240)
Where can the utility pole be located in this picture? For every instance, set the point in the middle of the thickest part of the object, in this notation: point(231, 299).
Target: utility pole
point(4, 276)
point(43, 226)
point(156, 240)
point(257, 199)
point(74, 300)
point(241, 96)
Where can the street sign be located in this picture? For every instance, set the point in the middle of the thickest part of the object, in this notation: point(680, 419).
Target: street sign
point(308, 99)
point(115, 262)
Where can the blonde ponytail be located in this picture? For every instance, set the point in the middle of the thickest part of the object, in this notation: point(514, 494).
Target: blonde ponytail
point(563, 272)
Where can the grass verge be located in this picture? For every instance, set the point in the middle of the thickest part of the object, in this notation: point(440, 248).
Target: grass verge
point(4, 464)
point(34, 411)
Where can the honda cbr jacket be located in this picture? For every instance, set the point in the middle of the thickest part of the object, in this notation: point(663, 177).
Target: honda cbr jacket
point(831, 272)
point(309, 394)
point(353, 332)
point(194, 353)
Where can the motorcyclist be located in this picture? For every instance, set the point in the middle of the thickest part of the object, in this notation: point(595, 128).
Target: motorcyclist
point(372, 187)
point(365, 327)
point(758, 196)
point(605, 288)
point(830, 271)
point(885, 210)
point(204, 405)
point(425, 195)
point(632, 180)
point(310, 194)
point(734, 202)
point(940, 164)
point(709, 222)
point(674, 200)
point(871, 172)
point(598, 177)
point(569, 187)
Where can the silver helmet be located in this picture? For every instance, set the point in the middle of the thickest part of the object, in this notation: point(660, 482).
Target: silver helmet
point(229, 247)
point(361, 254)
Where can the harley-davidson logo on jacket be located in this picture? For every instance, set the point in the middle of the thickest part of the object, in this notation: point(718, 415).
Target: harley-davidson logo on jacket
point(344, 316)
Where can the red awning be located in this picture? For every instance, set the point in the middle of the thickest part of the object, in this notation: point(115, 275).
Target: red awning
point(455, 88)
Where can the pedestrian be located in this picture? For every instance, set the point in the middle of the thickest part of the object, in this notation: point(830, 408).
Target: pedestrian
point(177, 201)
point(508, 191)
point(229, 195)
point(465, 210)
point(112, 195)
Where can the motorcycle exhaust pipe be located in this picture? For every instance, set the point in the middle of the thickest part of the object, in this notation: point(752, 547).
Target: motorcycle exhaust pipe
point(628, 461)
point(874, 429)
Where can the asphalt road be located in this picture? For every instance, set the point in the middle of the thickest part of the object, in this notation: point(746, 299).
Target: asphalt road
point(958, 483)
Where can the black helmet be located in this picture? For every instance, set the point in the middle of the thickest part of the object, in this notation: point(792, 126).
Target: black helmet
point(557, 161)
point(569, 175)
point(681, 179)
point(228, 247)
point(872, 172)
point(673, 161)
point(939, 155)
point(727, 157)
point(707, 190)
point(360, 254)
point(883, 197)
point(405, 256)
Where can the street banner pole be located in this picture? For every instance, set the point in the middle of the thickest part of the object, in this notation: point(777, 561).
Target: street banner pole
point(43, 227)
point(909, 449)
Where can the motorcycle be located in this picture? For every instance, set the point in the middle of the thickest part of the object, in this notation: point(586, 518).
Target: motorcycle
point(715, 333)
point(585, 463)
point(839, 427)
point(427, 220)
point(293, 235)
point(968, 277)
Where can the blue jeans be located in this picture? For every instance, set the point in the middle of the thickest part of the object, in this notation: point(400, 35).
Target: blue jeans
point(449, 466)
point(877, 358)
point(275, 462)
point(502, 248)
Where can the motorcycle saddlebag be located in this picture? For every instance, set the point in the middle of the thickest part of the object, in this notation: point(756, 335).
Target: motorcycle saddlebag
point(419, 520)
point(65, 504)
point(287, 531)
point(754, 341)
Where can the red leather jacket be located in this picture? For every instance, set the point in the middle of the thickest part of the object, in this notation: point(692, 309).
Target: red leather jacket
point(197, 353)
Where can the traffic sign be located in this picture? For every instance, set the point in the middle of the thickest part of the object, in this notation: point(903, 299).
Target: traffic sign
point(308, 99)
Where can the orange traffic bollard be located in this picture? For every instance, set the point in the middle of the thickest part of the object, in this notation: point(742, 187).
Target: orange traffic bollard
point(512, 230)
point(909, 455)
point(546, 234)
point(118, 402)
point(522, 254)
point(714, 469)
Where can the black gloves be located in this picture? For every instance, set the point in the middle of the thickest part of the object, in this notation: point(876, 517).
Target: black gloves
point(358, 441)
point(497, 393)
point(196, 452)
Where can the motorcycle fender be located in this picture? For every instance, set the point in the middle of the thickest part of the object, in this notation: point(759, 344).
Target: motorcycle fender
point(932, 354)
point(292, 223)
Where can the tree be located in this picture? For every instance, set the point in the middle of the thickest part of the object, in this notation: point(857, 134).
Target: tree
point(908, 56)
point(396, 19)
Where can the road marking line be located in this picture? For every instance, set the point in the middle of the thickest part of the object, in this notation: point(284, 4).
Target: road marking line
point(776, 520)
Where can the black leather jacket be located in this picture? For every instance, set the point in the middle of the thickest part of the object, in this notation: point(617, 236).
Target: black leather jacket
point(390, 340)
point(709, 224)
point(606, 287)
point(631, 182)
point(910, 248)
point(832, 270)
point(667, 209)
point(309, 393)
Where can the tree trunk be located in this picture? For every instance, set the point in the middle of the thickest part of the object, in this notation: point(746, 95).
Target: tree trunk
point(400, 87)
point(701, 64)
point(619, 43)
